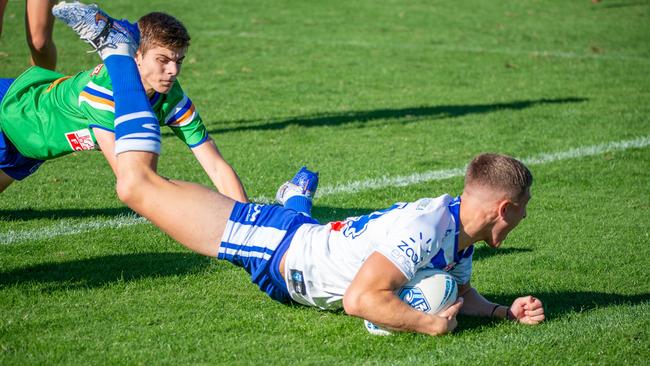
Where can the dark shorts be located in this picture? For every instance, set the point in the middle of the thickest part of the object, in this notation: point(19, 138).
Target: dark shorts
point(256, 237)
point(12, 162)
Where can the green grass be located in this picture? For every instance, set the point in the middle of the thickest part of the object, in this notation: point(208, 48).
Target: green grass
point(357, 90)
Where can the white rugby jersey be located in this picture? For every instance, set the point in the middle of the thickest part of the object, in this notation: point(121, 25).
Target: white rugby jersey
point(322, 260)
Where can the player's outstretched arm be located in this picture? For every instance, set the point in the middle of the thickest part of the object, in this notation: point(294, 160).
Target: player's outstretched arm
point(526, 310)
point(223, 176)
point(371, 296)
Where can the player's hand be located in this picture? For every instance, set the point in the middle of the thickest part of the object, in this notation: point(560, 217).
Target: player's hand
point(449, 315)
point(527, 310)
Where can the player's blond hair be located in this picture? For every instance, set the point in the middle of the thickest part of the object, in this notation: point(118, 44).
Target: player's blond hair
point(500, 173)
point(162, 30)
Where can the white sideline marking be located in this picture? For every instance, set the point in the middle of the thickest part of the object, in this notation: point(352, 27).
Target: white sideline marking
point(442, 47)
point(405, 180)
point(69, 228)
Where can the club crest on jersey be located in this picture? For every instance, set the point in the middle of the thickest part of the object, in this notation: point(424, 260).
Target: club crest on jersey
point(414, 297)
point(355, 226)
point(80, 140)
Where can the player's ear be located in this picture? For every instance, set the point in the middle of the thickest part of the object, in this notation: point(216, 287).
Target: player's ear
point(502, 208)
point(138, 57)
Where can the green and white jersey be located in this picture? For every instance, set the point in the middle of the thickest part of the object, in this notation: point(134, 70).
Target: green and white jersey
point(46, 114)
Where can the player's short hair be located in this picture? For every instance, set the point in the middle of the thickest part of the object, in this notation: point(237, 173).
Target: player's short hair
point(501, 173)
point(162, 30)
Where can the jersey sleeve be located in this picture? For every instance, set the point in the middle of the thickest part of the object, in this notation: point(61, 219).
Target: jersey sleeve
point(96, 99)
point(186, 123)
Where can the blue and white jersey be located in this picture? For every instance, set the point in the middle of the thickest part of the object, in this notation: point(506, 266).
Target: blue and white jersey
point(421, 234)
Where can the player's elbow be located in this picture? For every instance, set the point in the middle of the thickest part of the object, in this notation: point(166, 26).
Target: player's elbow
point(353, 303)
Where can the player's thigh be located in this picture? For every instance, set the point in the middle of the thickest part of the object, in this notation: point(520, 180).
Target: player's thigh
point(39, 20)
point(190, 213)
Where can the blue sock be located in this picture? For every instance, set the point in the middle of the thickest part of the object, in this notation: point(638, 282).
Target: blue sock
point(136, 126)
point(299, 203)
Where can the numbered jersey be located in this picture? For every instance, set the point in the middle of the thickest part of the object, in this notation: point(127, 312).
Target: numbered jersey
point(46, 114)
point(323, 259)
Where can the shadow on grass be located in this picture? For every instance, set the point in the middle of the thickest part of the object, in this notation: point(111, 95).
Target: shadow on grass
point(101, 271)
point(557, 304)
point(35, 214)
point(620, 5)
point(403, 115)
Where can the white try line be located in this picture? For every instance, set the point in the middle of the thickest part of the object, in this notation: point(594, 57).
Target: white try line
point(69, 228)
point(439, 47)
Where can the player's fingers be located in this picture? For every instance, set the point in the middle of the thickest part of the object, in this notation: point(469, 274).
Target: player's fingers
point(534, 312)
point(451, 325)
point(532, 320)
point(453, 309)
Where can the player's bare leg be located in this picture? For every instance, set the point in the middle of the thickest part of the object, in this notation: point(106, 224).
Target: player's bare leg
point(5, 181)
point(39, 24)
point(191, 214)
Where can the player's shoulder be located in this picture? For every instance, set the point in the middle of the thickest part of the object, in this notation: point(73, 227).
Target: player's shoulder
point(432, 213)
point(97, 82)
point(430, 205)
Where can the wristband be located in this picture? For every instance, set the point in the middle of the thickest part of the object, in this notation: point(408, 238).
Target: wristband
point(494, 309)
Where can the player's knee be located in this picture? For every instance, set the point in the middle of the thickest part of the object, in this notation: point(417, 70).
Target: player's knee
point(128, 189)
point(39, 43)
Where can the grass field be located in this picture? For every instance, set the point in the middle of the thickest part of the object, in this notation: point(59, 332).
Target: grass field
point(388, 100)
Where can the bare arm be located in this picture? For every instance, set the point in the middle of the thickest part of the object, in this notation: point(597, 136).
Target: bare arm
point(527, 309)
point(3, 6)
point(223, 176)
point(106, 141)
point(371, 296)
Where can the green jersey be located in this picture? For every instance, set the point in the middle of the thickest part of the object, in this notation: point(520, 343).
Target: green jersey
point(46, 114)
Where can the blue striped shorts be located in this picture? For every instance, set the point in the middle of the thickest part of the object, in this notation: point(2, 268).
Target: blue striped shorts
point(256, 237)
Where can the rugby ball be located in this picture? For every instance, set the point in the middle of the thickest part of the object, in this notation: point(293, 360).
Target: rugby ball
point(430, 290)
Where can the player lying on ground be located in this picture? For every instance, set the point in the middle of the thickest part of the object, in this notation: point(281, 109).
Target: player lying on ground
point(358, 263)
point(45, 114)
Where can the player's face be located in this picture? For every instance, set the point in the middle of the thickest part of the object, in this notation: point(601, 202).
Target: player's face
point(513, 214)
point(159, 68)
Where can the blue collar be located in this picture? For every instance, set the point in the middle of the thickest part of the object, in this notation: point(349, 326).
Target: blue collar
point(454, 209)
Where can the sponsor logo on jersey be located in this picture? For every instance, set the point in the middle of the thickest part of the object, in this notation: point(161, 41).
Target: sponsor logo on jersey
point(80, 140)
point(298, 281)
point(97, 69)
point(414, 297)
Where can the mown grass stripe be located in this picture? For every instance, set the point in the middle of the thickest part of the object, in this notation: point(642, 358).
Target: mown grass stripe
point(69, 228)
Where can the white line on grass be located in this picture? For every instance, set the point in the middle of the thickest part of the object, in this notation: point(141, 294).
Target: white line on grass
point(440, 47)
point(406, 180)
point(69, 228)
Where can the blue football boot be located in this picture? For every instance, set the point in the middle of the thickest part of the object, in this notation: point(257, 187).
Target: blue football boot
point(106, 35)
point(304, 183)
